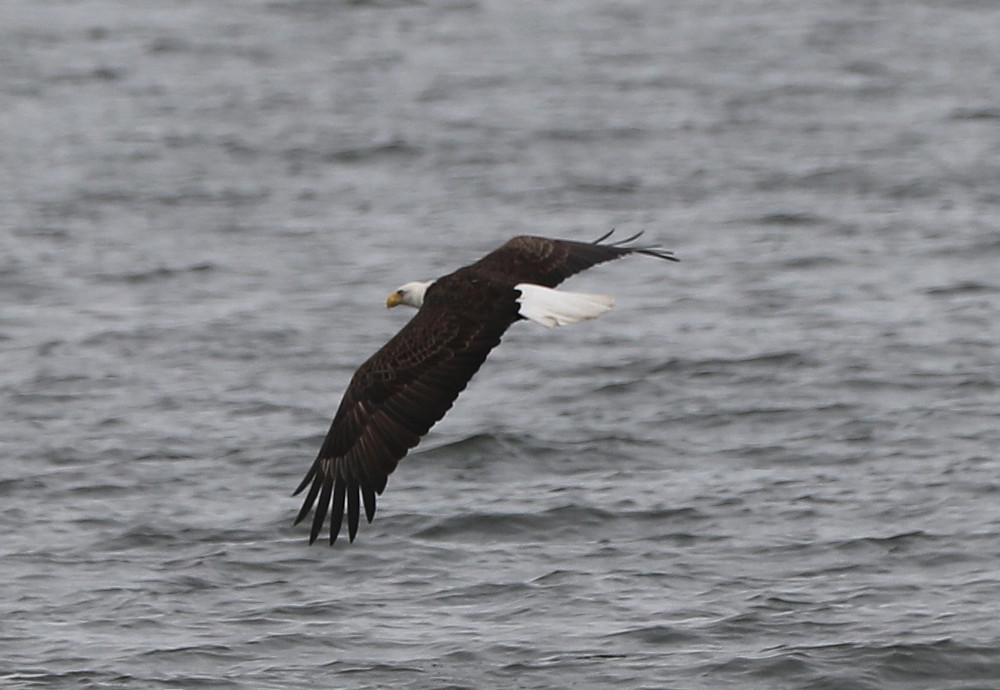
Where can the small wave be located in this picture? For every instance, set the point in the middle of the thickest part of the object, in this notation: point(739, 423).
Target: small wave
point(10, 487)
point(782, 359)
point(207, 652)
point(486, 443)
point(140, 536)
point(157, 274)
point(393, 149)
point(789, 218)
point(656, 634)
point(38, 678)
point(811, 261)
point(975, 113)
point(149, 536)
point(624, 185)
point(845, 178)
point(586, 134)
point(962, 288)
point(565, 519)
point(891, 542)
point(503, 525)
point(872, 666)
point(484, 590)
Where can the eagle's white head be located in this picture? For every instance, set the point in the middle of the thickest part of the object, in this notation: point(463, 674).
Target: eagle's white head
point(410, 294)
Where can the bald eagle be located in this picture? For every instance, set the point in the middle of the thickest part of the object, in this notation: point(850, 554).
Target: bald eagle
point(396, 396)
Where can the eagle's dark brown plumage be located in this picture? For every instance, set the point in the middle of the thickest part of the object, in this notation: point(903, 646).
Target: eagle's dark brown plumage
point(396, 396)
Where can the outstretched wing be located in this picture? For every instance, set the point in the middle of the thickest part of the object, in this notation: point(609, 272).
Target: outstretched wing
point(547, 262)
point(393, 399)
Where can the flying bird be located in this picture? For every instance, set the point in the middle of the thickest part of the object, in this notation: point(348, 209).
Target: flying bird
point(396, 396)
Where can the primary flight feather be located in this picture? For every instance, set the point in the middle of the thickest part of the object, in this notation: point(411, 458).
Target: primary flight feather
point(396, 396)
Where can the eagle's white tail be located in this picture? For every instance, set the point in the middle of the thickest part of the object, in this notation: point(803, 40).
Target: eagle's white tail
point(557, 308)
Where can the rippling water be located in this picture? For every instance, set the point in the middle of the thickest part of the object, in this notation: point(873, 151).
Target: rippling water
point(772, 465)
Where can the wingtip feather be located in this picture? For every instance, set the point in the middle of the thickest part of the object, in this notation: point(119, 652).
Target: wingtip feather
point(605, 236)
point(353, 510)
point(621, 245)
point(369, 500)
point(307, 504)
point(305, 480)
point(337, 512)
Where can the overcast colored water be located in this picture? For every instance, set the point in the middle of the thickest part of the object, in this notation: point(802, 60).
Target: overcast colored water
point(772, 465)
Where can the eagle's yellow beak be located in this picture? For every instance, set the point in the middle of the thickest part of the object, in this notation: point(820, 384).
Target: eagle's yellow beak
point(394, 300)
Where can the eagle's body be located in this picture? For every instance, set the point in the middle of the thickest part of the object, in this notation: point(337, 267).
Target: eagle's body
point(396, 396)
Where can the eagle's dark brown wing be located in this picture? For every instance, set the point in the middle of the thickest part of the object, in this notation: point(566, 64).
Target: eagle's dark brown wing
point(543, 261)
point(393, 399)
point(406, 387)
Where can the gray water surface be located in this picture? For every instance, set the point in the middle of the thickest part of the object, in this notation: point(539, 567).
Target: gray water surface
point(773, 465)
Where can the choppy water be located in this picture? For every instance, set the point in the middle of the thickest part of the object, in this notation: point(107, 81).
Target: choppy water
point(773, 465)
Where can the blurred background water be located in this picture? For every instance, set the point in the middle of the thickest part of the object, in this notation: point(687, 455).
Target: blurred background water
point(772, 465)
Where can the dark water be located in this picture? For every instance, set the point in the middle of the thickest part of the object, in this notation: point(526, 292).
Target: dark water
point(773, 465)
